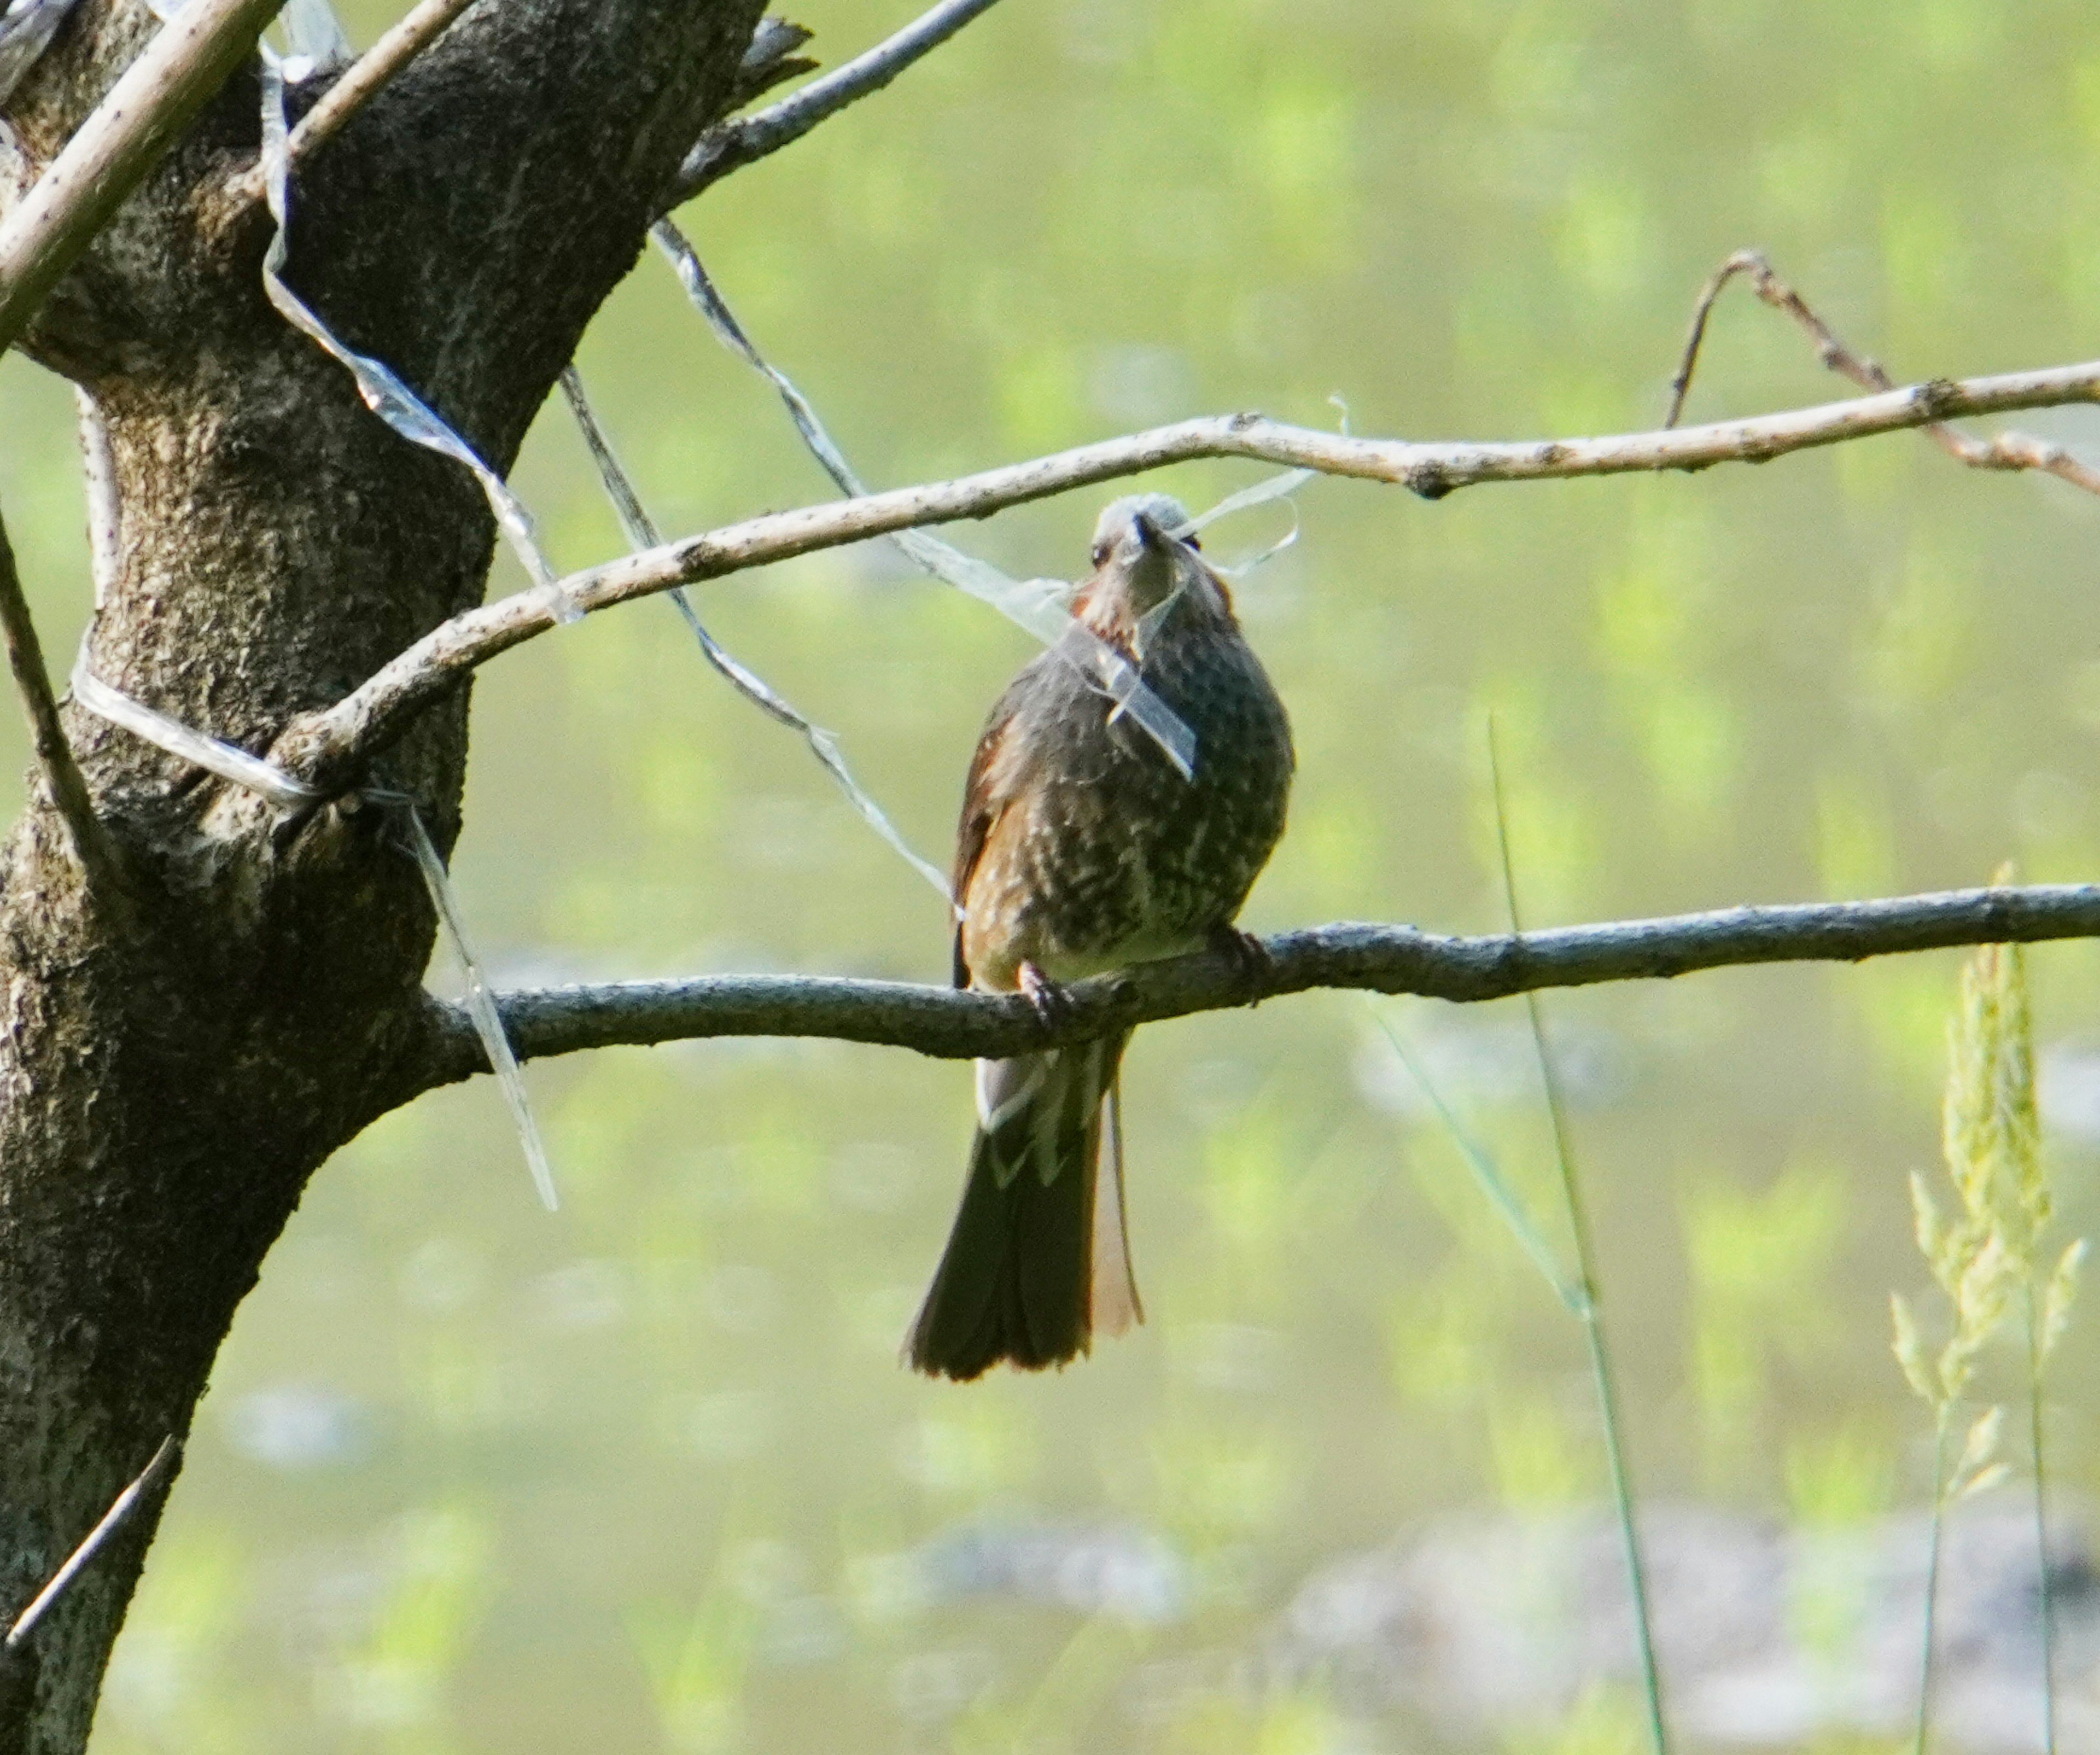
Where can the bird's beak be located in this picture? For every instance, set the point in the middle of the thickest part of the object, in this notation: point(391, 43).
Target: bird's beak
point(1149, 535)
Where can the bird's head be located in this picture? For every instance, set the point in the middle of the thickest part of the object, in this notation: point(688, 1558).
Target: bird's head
point(1145, 559)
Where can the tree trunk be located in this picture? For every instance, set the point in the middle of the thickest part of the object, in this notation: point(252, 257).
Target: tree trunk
point(180, 1057)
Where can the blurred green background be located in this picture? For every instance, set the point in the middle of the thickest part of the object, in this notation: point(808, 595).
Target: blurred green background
point(646, 1475)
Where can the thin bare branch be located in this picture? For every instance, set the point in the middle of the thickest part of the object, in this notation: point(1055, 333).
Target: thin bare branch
point(770, 59)
point(326, 747)
point(354, 87)
point(112, 1520)
point(91, 845)
point(394, 50)
point(733, 144)
point(1702, 309)
point(188, 58)
point(955, 1024)
point(2003, 451)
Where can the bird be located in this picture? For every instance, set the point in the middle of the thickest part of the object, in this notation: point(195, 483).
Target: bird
point(1084, 848)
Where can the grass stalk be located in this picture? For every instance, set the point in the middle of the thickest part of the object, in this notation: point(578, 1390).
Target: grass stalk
point(1492, 1184)
point(1592, 1317)
point(1932, 1580)
point(1980, 1254)
point(2044, 1598)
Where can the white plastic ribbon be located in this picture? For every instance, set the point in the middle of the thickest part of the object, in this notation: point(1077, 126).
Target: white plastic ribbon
point(286, 792)
point(384, 392)
point(26, 30)
point(289, 793)
point(1273, 487)
point(313, 36)
point(480, 998)
point(641, 533)
point(1037, 605)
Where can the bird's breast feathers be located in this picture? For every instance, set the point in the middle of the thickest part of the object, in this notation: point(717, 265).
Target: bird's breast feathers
point(1082, 850)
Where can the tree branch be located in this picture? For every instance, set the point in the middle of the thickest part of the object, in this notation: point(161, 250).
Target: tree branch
point(187, 60)
point(328, 747)
point(731, 145)
point(953, 1024)
point(770, 59)
point(92, 1544)
point(353, 88)
point(407, 38)
point(2002, 451)
point(91, 845)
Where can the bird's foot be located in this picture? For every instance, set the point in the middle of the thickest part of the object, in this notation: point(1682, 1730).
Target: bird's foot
point(1052, 1003)
point(1248, 955)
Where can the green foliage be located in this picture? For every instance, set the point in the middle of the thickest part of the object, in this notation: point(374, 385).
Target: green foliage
point(1302, 1720)
point(697, 1660)
point(1759, 1263)
point(393, 1678)
point(1603, 1721)
point(1541, 1462)
point(1839, 1478)
point(1054, 1716)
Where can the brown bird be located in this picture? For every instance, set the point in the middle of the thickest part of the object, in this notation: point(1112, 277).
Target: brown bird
point(1082, 849)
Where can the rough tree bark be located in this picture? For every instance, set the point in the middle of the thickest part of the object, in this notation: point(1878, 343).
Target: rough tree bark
point(179, 1059)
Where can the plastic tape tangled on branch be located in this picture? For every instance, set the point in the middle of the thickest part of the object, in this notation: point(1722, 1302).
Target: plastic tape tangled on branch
point(480, 996)
point(384, 392)
point(289, 793)
point(316, 39)
point(1037, 605)
point(286, 792)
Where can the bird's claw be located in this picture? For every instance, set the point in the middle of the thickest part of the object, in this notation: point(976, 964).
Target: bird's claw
point(1052, 1003)
point(1248, 955)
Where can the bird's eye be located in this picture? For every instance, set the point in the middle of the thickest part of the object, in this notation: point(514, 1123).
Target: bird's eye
point(1191, 541)
point(1101, 552)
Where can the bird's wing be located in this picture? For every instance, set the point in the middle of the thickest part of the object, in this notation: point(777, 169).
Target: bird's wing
point(991, 789)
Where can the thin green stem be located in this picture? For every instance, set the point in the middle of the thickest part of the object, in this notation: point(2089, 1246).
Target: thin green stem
point(1500, 1196)
point(1931, 1580)
point(2044, 1596)
point(1623, 1493)
point(1592, 1317)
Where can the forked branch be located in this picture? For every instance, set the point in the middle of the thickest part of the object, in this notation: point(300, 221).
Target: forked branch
point(1388, 959)
point(2002, 451)
point(187, 60)
point(744, 140)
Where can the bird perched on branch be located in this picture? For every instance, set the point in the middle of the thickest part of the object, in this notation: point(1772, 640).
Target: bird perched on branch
point(1084, 848)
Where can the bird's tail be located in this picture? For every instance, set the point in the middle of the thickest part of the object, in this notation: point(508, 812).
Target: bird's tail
point(1039, 1256)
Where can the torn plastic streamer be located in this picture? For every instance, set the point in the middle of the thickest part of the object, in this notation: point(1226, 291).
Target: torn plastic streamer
point(383, 390)
point(286, 792)
point(314, 39)
point(1037, 605)
point(289, 793)
point(642, 533)
point(26, 30)
point(480, 998)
